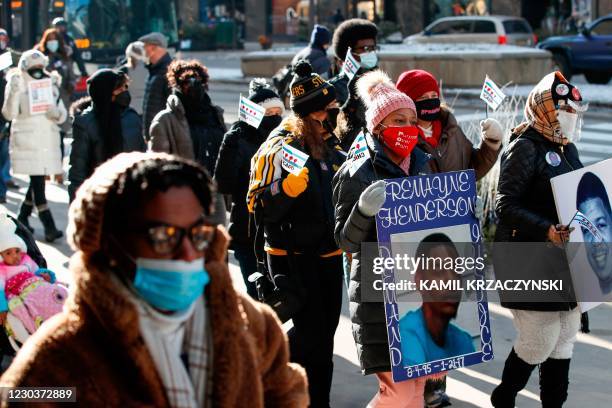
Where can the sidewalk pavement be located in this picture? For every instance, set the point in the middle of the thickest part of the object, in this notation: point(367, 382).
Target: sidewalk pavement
point(468, 387)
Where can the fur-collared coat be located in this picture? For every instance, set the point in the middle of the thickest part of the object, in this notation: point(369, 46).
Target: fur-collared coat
point(95, 345)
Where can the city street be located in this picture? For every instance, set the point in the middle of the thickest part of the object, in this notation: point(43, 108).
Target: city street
point(467, 387)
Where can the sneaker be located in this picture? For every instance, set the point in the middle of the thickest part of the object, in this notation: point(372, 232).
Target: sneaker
point(12, 185)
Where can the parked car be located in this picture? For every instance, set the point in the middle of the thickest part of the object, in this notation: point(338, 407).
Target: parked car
point(588, 53)
point(486, 29)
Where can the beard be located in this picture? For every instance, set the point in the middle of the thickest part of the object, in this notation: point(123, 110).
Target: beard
point(312, 133)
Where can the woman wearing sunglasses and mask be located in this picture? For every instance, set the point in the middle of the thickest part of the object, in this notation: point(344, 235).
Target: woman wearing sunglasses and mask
point(191, 126)
point(154, 319)
point(106, 127)
point(391, 139)
point(298, 217)
point(542, 147)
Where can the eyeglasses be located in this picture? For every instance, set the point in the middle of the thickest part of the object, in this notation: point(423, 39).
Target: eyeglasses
point(165, 239)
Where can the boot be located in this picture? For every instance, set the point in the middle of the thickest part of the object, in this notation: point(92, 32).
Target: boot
point(554, 381)
point(24, 213)
point(51, 233)
point(514, 378)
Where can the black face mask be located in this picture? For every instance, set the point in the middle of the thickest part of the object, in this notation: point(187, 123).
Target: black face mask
point(123, 99)
point(195, 90)
point(36, 73)
point(428, 109)
point(332, 118)
point(269, 123)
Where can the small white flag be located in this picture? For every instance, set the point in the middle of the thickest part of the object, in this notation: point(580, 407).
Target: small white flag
point(584, 222)
point(491, 94)
point(250, 112)
point(350, 66)
point(6, 60)
point(293, 159)
point(358, 153)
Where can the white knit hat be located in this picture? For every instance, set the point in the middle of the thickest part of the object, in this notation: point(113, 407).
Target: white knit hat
point(8, 238)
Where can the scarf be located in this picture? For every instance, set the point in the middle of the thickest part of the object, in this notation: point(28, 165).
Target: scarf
point(432, 135)
point(180, 345)
point(541, 114)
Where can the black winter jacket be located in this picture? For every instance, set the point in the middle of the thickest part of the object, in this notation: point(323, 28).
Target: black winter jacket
point(308, 219)
point(156, 92)
point(526, 209)
point(87, 150)
point(239, 145)
point(353, 228)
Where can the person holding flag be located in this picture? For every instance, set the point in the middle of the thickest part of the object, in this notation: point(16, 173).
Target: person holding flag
point(439, 133)
point(359, 193)
point(542, 147)
point(290, 195)
point(356, 50)
point(232, 172)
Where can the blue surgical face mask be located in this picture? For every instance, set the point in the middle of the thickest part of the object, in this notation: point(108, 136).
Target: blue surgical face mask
point(168, 284)
point(369, 60)
point(53, 45)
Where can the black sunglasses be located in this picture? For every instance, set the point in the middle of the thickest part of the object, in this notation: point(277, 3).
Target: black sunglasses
point(165, 239)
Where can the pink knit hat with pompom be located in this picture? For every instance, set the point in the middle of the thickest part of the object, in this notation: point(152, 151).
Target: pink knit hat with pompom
point(381, 97)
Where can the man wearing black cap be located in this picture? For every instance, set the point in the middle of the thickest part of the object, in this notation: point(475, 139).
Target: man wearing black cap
point(62, 26)
point(298, 220)
point(156, 89)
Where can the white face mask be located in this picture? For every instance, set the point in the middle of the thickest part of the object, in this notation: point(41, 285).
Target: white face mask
point(568, 123)
point(369, 60)
point(53, 45)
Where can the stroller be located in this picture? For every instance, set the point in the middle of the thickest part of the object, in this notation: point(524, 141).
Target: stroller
point(15, 332)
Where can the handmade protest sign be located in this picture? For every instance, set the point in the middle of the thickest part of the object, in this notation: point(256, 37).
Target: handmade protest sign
point(6, 60)
point(492, 94)
point(293, 160)
point(427, 218)
point(351, 65)
point(250, 112)
point(40, 94)
point(358, 153)
point(582, 198)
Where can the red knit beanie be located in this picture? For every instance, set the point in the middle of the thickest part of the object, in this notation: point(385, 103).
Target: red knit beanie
point(417, 82)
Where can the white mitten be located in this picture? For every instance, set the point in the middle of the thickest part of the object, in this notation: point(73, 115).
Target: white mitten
point(372, 198)
point(492, 133)
point(16, 83)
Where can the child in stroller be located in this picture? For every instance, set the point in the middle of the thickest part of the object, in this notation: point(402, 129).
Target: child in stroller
point(28, 294)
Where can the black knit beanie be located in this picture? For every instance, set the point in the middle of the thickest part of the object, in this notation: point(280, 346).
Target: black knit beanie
point(309, 92)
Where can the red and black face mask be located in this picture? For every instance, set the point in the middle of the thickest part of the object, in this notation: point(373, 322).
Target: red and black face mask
point(428, 109)
point(401, 140)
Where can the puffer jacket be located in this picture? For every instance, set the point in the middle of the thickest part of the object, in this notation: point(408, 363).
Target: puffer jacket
point(87, 146)
point(526, 207)
point(35, 139)
point(305, 222)
point(171, 133)
point(455, 152)
point(351, 229)
point(239, 145)
point(156, 92)
point(317, 57)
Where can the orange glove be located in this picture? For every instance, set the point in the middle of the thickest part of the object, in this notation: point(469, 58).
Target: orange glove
point(294, 185)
